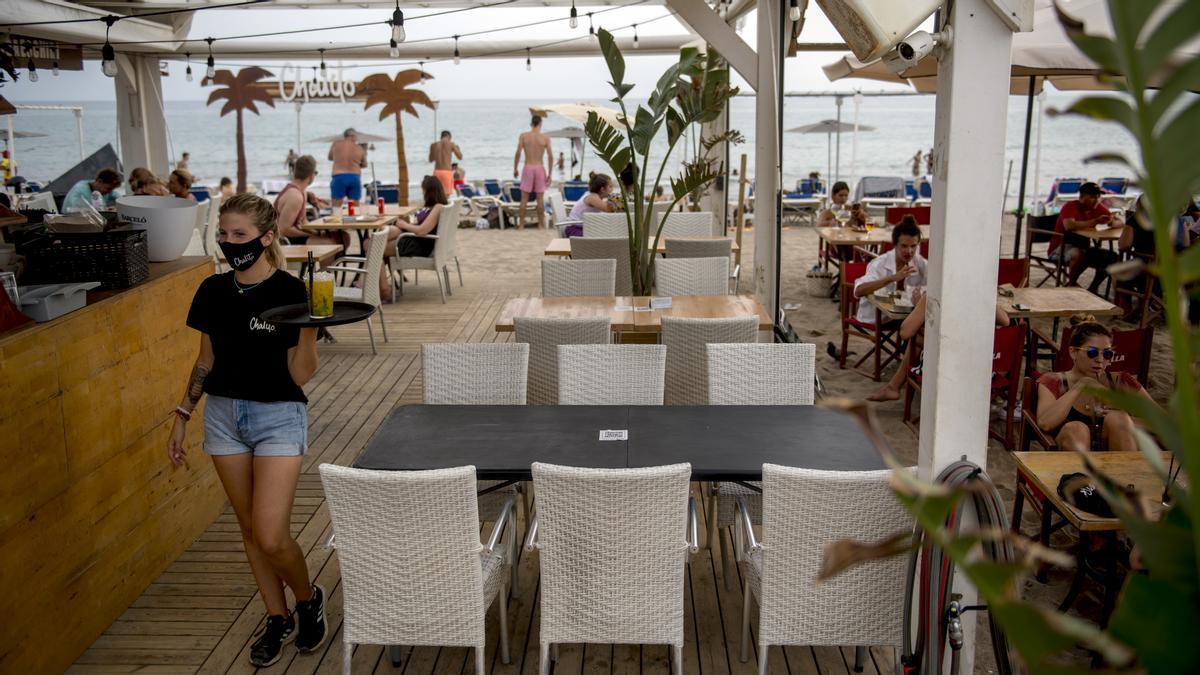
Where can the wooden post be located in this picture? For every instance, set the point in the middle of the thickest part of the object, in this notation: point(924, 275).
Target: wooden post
point(741, 212)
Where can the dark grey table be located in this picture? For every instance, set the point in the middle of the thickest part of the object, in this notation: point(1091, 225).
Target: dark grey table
point(720, 442)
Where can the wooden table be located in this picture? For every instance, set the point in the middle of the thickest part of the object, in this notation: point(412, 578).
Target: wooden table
point(1057, 302)
point(1108, 234)
point(1040, 472)
point(627, 321)
point(361, 225)
point(562, 247)
point(845, 236)
point(324, 254)
point(887, 305)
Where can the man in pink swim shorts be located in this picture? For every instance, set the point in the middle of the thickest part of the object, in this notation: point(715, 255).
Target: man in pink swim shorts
point(535, 145)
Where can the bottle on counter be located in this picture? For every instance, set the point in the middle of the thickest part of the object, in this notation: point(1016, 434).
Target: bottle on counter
point(98, 200)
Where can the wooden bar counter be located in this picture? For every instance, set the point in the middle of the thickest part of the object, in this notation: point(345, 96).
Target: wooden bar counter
point(92, 510)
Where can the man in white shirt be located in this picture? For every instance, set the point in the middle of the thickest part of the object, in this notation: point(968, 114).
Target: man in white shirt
point(898, 269)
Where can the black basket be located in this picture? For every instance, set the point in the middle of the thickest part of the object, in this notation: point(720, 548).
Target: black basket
point(117, 258)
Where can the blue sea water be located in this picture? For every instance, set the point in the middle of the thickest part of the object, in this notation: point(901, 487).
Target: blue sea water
point(487, 131)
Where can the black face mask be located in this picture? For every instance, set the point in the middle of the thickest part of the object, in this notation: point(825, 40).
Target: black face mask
point(242, 257)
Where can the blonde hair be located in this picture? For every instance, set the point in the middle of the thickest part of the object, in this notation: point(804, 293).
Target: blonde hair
point(265, 219)
point(185, 177)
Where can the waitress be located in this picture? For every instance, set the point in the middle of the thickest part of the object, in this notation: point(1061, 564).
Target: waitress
point(255, 421)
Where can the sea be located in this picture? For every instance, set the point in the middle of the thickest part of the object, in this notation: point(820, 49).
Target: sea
point(487, 131)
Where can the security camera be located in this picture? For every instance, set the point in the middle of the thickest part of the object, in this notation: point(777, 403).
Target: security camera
point(912, 49)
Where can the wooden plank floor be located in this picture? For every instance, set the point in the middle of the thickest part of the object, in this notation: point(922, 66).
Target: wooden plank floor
point(201, 613)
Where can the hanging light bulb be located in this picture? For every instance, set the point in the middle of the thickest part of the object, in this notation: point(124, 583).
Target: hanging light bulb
point(393, 49)
point(635, 40)
point(322, 52)
point(528, 60)
point(54, 69)
point(108, 56)
point(187, 74)
point(794, 12)
point(314, 74)
point(421, 71)
point(211, 71)
point(591, 28)
point(33, 76)
point(574, 16)
point(457, 58)
point(397, 23)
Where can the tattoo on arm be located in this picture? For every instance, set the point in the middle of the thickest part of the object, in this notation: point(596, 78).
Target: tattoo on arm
point(196, 384)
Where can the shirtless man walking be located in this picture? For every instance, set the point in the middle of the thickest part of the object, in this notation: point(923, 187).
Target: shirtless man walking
point(348, 159)
point(442, 153)
point(534, 175)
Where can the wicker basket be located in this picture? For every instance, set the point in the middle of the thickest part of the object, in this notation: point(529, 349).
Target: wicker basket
point(117, 258)
point(819, 283)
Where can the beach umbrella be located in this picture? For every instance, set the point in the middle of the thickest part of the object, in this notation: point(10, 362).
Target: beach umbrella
point(829, 128)
point(566, 132)
point(578, 112)
point(576, 136)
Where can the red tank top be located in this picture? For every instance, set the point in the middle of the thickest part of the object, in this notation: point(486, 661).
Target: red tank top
point(301, 217)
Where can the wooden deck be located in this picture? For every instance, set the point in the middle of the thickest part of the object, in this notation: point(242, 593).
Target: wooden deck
point(201, 613)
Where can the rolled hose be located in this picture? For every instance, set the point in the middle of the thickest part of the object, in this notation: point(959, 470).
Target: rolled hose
point(934, 570)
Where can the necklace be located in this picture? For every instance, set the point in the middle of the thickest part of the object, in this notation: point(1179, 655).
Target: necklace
point(242, 289)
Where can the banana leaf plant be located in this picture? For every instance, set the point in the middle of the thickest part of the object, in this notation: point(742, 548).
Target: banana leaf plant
point(692, 91)
point(1154, 624)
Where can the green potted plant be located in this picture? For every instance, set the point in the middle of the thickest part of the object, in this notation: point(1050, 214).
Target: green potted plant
point(693, 91)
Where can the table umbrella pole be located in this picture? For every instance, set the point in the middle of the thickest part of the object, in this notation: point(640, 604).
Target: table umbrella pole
point(828, 155)
point(1024, 168)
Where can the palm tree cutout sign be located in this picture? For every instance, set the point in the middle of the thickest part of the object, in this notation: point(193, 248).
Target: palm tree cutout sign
point(396, 97)
point(240, 92)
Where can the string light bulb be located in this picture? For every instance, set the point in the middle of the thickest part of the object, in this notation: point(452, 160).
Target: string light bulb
point(421, 72)
point(397, 23)
point(33, 76)
point(54, 69)
point(393, 49)
point(108, 55)
point(528, 60)
point(591, 28)
point(187, 74)
point(314, 74)
point(635, 40)
point(794, 11)
point(457, 57)
point(211, 71)
point(322, 52)
point(574, 16)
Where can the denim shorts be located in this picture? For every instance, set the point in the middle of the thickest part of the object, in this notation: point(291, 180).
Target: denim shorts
point(234, 427)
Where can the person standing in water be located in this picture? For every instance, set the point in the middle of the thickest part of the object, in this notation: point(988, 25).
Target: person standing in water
point(534, 176)
point(442, 153)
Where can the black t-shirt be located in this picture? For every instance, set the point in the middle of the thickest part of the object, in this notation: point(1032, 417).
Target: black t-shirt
point(250, 355)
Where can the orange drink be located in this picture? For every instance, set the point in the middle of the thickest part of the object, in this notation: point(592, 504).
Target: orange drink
point(320, 295)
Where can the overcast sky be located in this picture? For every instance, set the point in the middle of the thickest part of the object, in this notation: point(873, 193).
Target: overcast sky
point(561, 78)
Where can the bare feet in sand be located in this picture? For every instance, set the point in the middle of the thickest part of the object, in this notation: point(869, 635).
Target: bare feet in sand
point(885, 393)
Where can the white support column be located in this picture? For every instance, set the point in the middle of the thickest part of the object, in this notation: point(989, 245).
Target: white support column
point(766, 155)
point(969, 135)
point(140, 122)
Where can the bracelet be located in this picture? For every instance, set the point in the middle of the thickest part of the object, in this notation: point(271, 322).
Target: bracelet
point(186, 415)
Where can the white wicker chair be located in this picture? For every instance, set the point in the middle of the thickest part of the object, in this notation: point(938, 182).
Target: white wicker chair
point(611, 374)
point(544, 336)
point(753, 374)
point(571, 278)
point(804, 510)
point(444, 250)
point(688, 224)
point(413, 569)
point(558, 209)
point(698, 248)
point(479, 374)
point(691, 276)
point(608, 225)
point(687, 364)
point(612, 248)
point(614, 544)
point(370, 271)
point(210, 231)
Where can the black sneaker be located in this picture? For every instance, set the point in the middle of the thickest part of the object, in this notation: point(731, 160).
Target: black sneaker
point(278, 631)
point(311, 615)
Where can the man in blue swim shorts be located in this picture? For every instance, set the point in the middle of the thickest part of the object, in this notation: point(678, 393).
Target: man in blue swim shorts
point(348, 159)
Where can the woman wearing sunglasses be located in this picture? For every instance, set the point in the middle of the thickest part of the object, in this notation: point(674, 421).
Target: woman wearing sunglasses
point(1076, 419)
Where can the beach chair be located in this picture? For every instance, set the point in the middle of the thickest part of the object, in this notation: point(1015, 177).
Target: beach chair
point(925, 190)
point(1116, 186)
point(882, 189)
point(910, 190)
point(1040, 230)
point(200, 192)
point(558, 212)
point(390, 194)
point(478, 203)
point(1013, 271)
point(574, 190)
point(492, 187)
point(1064, 190)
